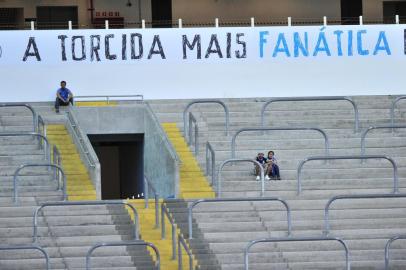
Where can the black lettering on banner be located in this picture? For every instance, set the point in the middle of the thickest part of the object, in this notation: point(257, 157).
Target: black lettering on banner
point(244, 47)
point(124, 47)
point(160, 50)
point(107, 47)
point(33, 44)
point(210, 50)
point(195, 43)
point(140, 46)
point(82, 45)
point(63, 47)
point(228, 45)
point(94, 47)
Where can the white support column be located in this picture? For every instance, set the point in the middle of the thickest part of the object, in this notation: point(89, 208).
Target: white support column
point(325, 20)
point(216, 22)
point(397, 19)
point(32, 25)
point(143, 24)
point(252, 22)
point(106, 23)
point(180, 23)
point(70, 25)
point(361, 21)
point(289, 21)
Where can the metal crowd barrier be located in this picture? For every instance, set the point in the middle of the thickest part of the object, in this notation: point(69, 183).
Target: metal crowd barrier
point(125, 244)
point(109, 97)
point(266, 199)
point(73, 123)
point(56, 167)
point(29, 107)
point(212, 157)
point(344, 197)
point(33, 134)
point(76, 203)
point(297, 239)
point(147, 187)
point(182, 243)
point(392, 110)
point(326, 141)
point(218, 178)
point(283, 99)
point(365, 132)
point(41, 128)
point(164, 212)
point(361, 157)
point(27, 247)
point(387, 248)
point(201, 101)
point(193, 121)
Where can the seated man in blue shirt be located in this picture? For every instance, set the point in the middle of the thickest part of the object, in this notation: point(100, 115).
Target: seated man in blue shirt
point(63, 97)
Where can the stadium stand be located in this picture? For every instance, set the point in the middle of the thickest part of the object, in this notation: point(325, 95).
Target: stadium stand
point(365, 225)
point(221, 230)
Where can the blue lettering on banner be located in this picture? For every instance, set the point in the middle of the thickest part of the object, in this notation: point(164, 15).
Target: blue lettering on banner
point(299, 46)
point(322, 45)
point(384, 46)
point(262, 41)
point(278, 49)
point(325, 44)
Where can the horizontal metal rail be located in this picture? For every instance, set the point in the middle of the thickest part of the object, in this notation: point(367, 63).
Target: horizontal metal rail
point(210, 155)
point(193, 121)
point(147, 187)
point(77, 203)
point(206, 101)
point(297, 239)
point(265, 199)
point(109, 97)
point(29, 107)
point(361, 157)
point(332, 98)
point(365, 132)
point(393, 107)
point(28, 247)
point(33, 134)
point(238, 132)
point(219, 180)
point(345, 197)
point(124, 244)
point(56, 167)
point(76, 132)
point(182, 243)
point(387, 248)
point(164, 212)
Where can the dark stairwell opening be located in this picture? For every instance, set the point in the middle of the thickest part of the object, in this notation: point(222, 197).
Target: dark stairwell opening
point(122, 164)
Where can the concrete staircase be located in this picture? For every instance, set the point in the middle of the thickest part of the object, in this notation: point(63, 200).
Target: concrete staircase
point(67, 232)
point(365, 225)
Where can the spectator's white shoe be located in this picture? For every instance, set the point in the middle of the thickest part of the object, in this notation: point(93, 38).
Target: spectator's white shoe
point(267, 178)
point(258, 178)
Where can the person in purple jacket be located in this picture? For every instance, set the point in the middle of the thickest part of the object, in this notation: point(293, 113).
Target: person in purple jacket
point(63, 97)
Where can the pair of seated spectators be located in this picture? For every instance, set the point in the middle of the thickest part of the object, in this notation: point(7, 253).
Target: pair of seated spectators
point(270, 165)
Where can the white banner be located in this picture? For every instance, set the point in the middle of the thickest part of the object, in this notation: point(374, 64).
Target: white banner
point(204, 62)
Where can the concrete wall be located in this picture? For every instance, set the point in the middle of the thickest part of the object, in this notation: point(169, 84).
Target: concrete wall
point(130, 14)
point(159, 163)
point(373, 9)
point(229, 10)
point(208, 10)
